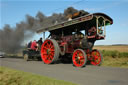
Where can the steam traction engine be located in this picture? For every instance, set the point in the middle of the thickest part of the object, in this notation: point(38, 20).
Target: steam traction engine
point(75, 37)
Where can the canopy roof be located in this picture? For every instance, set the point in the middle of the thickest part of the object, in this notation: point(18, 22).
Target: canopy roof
point(79, 23)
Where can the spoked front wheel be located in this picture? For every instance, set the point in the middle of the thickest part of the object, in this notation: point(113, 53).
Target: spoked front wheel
point(96, 58)
point(79, 58)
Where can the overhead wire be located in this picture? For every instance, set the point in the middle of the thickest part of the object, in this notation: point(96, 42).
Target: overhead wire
point(77, 2)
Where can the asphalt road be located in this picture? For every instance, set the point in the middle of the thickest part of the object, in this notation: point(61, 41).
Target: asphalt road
point(89, 75)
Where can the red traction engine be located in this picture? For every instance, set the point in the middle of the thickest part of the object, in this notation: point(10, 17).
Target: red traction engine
point(75, 37)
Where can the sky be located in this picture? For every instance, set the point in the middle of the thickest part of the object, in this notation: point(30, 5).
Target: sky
point(14, 11)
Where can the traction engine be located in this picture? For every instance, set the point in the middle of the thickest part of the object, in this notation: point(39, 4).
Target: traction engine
point(76, 38)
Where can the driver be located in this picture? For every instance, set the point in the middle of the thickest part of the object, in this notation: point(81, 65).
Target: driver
point(34, 46)
point(78, 35)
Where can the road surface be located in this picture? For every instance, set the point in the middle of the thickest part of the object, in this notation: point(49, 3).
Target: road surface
point(89, 75)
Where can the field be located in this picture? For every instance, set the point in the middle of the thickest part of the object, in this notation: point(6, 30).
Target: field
point(113, 48)
point(115, 56)
point(13, 77)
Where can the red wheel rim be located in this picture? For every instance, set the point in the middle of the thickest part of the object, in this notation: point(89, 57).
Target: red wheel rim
point(78, 58)
point(47, 51)
point(96, 57)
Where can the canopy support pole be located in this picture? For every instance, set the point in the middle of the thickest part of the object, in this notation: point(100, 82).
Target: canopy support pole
point(97, 23)
point(104, 28)
point(43, 36)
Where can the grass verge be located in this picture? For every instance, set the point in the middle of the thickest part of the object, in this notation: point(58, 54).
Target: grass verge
point(114, 54)
point(115, 62)
point(115, 58)
point(13, 77)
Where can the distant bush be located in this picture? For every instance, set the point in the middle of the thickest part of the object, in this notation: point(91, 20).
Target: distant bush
point(123, 54)
point(114, 54)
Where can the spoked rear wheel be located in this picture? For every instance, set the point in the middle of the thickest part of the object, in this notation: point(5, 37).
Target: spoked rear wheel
point(49, 51)
point(96, 58)
point(79, 58)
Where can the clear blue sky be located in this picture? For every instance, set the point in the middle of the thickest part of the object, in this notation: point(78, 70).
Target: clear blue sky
point(14, 11)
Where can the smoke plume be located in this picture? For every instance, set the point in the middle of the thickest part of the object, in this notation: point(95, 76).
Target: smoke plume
point(11, 39)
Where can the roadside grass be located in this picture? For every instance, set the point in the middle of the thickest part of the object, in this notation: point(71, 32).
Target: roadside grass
point(115, 62)
point(114, 54)
point(12, 77)
point(115, 58)
point(14, 55)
